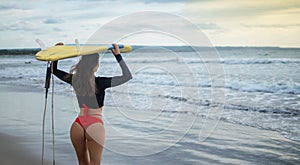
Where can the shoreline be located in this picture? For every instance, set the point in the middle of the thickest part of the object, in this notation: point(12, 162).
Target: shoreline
point(42, 91)
point(228, 143)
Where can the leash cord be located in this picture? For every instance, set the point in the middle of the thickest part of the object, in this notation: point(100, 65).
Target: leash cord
point(47, 84)
point(52, 114)
point(43, 130)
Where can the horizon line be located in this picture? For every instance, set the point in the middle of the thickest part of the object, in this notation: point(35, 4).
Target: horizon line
point(218, 46)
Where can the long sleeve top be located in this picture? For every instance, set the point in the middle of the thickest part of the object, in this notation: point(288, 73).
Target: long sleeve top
point(101, 83)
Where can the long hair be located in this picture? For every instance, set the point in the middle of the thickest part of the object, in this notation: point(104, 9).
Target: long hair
point(83, 80)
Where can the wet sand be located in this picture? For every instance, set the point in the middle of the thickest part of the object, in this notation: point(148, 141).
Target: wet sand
point(20, 138)
point(12, 152)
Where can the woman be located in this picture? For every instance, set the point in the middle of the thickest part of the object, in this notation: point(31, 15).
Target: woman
point(87, 132)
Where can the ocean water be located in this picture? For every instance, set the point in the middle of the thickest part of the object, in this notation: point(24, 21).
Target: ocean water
point(261, 84)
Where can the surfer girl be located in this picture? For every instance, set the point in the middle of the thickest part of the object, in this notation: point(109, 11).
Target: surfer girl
point(87, 131)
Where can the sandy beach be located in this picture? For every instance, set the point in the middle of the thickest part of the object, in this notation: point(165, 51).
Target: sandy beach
point(11, 152)
point(14, 153)
point(211, 82)
point(229, 143)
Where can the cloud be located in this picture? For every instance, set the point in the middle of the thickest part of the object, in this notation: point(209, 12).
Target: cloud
point(53, 21)
point(162, 1)
point(208, 26)
point(271, 25)
point(18, 26)
point(8, 7)
point(268, 22)
point(232, 9)
point(57, 29)
point(224, 21)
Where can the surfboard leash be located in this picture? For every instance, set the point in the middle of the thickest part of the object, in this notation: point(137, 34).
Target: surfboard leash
point(52, 114)
point(49, 76)
point(47, 84)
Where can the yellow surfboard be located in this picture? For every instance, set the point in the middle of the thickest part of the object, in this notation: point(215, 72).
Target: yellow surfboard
point(62, 51)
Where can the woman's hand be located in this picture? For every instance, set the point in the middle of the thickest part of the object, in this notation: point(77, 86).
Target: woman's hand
point(54, 63)
point(115, 50)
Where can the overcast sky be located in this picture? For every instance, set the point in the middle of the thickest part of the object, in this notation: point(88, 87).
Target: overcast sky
point(224, 22)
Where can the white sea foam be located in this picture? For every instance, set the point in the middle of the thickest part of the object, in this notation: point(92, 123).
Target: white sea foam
point(262, 92)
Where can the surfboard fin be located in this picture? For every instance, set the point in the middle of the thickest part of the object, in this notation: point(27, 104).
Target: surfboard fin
point(77, 44)
point(42, 45)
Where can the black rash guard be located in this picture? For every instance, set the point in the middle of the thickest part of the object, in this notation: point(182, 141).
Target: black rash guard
point(101, 83)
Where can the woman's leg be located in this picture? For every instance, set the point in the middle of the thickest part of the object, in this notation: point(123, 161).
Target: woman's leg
point(78, 139)
point(95, 135)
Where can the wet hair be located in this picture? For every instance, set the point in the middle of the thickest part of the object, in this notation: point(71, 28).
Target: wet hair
point(83, 80)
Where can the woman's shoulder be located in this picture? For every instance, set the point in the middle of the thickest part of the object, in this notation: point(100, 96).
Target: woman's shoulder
point(103, 80)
